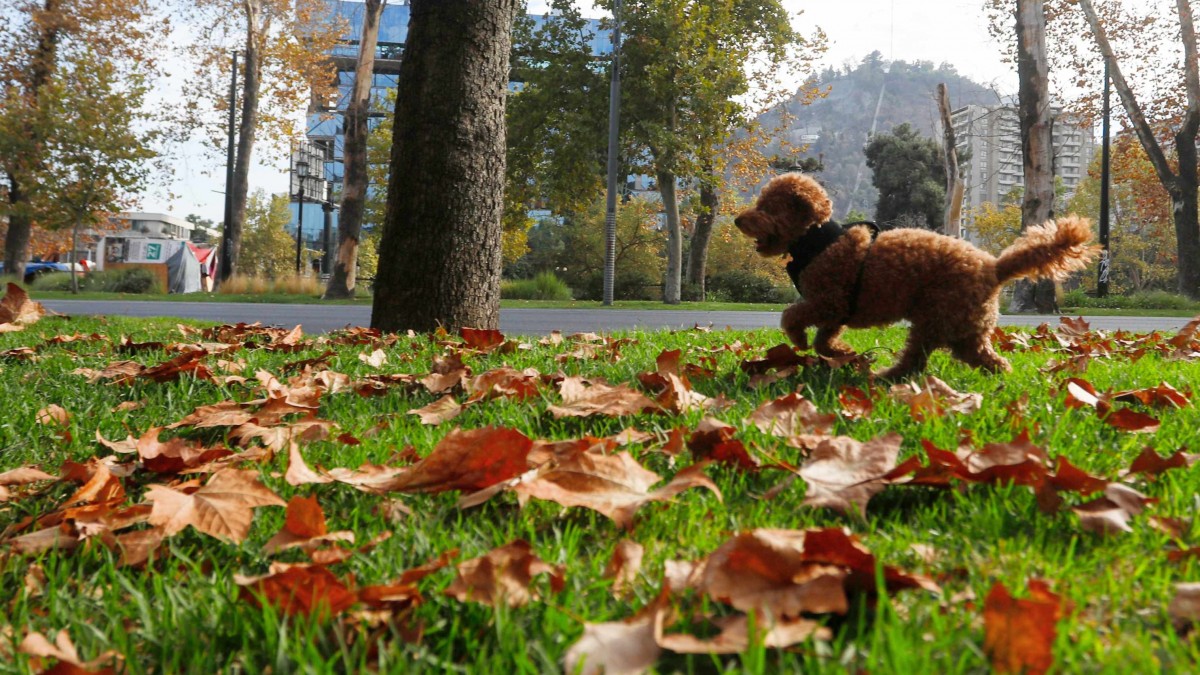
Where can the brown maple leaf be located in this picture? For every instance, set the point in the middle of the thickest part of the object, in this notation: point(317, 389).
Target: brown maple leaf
point(619, 647)
point(69, 662)
point(1019, 634)
point(223, 507)
point(467, 460)
point(843, 473)
point(304, 527)
point(17, 310)
point(624, 565)
point(503, 576)
point(583, 398)
point(613, 485)
point(300, 590)
point(442, 410)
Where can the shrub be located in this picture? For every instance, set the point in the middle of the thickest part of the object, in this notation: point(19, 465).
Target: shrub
point(742, 286)
point(628, 284)
point(132, 280)
point(1144, 300)
point(544, 286)
point(289, 284)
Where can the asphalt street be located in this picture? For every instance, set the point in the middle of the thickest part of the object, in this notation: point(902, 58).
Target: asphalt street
point(533, 322)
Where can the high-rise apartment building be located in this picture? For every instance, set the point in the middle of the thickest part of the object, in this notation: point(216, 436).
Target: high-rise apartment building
point(992, 134)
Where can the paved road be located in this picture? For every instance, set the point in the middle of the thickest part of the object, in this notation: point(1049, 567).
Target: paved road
point(323, 318)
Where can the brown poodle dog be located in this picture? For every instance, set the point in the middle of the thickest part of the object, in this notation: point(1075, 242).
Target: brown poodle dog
point(857, 277)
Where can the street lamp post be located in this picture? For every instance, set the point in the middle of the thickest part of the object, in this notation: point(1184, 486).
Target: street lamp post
point(302, 174)
point(327, 208)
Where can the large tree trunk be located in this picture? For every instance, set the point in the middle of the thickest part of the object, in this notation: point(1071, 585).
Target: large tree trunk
point(440, 259)
point(1033, 111)
point(670, 204)
point(954, 182)
point(698, 251)
point(247, 126)
point(354, 185)
point(41, 66)
point(1181, 187)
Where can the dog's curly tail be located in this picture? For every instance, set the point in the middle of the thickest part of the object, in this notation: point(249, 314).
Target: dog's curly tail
point(1053, 249)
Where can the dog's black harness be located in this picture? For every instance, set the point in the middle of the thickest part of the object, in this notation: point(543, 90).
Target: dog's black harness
point(806, 249)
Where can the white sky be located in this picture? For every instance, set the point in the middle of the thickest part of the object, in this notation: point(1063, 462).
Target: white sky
point(952, 31)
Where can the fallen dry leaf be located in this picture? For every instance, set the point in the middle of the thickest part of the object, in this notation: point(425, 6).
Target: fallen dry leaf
point(624, 565)
point(843, 474)
point(39, 646)
point(583, 398)
point(503, 576)
point(17, 310)
point(442, 410)
point(1019, 634)
point(613, 485)
point(467, 460)
point(300, 590)
point(624, 647)
point(223, 507)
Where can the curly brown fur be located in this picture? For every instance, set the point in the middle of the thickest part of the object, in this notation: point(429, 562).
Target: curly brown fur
point(945, 287)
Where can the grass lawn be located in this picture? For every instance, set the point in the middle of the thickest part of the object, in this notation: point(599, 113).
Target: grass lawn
point(203, 603)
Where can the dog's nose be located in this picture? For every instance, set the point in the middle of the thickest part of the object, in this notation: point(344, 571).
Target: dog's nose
point(738, 222)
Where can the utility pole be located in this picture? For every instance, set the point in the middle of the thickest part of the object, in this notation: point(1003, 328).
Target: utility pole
point(1105, 177)
point(224, 268)
point(614, 127)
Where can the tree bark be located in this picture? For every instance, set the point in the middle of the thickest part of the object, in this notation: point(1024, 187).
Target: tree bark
point(697, 261)
point(247, 125)
point(354, 185)
point(440, 257)
point(954, 182)
point(41, 66)
point(674, 272)
point(1033, 111)
point(1183, 187)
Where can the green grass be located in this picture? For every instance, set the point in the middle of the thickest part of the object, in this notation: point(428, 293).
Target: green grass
point(183, 612)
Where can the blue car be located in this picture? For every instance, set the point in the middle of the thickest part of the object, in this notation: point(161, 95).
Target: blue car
point(36, 268)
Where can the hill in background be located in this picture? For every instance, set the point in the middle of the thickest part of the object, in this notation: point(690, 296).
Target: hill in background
point(837, 127)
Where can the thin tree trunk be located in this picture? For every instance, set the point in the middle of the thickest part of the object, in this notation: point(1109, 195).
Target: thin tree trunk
point(671, 284)
point(440, 257)
point(354, 186)
point(1033, 111)
point(74, 248)
point(1181, 187)
point(251, 80)
point(954, 182)
point(41, 66)
point(697, 261)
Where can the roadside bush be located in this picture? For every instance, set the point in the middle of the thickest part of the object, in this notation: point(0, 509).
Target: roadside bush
point(628, 284)
point(1145, 300)
point(133, 280)
point(742, 286)
point(289, 284)
point(544, 286)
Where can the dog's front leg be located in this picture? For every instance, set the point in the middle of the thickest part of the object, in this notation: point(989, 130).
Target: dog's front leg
point(795, 322)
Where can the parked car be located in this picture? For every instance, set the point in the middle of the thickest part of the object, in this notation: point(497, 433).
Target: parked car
point(36, 268)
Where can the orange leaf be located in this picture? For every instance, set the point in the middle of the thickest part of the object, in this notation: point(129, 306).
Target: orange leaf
point(1019, 634)
point(223, 508)
point(301, 590)
point(467, 460)
point(503, 576)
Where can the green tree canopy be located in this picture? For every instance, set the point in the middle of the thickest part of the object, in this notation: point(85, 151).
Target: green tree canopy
point(907, 170)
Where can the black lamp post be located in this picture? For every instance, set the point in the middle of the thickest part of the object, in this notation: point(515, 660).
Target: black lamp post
point(302, 174)
point(327, 207)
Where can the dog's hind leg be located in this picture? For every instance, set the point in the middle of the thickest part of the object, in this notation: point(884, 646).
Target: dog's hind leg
point(977, 351)
point(827, 342)
point(912, 359)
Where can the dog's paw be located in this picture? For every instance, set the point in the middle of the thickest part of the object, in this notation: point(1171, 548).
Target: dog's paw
point(799, 337)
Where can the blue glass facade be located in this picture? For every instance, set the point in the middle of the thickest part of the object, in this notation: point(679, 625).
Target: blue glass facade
point(325, 124)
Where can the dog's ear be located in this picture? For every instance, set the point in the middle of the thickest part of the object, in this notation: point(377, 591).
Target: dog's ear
point(809, 198)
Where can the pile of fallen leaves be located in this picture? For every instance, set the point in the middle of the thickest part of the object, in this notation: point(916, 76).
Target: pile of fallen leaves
point(207, 472)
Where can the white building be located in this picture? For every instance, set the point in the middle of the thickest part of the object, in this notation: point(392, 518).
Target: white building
point(992, 134)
